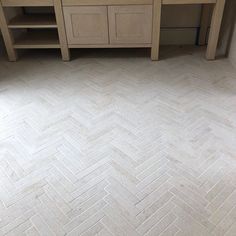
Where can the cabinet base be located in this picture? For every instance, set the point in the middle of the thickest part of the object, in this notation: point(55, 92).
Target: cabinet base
point(111, 46)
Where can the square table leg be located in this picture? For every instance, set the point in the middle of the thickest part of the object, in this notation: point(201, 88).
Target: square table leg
point(215, 29)
point(156, 27)
point(61, 30)
point(7, 36)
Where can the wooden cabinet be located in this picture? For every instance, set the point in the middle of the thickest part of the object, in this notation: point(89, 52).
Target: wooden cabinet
point(130, 24)
point(86, 25)
point(97, 24)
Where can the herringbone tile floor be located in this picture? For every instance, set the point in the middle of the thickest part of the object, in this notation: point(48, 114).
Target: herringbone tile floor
point(114, 144)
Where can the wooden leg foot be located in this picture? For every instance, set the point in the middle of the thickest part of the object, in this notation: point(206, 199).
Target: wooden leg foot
point(215, 29)
point(156, 27)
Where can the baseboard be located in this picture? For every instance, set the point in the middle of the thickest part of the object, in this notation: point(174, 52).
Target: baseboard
point(179, 36)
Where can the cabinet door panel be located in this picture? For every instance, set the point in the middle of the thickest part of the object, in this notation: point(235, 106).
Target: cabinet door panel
point(86, 25)
point(130, 24)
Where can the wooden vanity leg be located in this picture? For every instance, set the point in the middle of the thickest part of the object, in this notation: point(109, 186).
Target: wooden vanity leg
point(61, 30)
point(215, 29)
point(205, 19)
point(7, 36)
point(156, 27)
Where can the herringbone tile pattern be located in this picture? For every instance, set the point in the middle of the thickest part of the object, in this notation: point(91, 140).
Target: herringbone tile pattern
point(114, 144)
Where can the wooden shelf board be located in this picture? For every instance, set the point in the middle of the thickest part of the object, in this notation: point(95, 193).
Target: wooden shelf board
point(26, 3)
point(33, 21)
point(133, 45)
point(38, 39)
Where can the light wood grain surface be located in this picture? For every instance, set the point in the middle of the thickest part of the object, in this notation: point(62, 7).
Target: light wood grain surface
point(114, 144)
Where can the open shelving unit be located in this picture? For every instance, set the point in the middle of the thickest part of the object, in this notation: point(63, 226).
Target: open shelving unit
point(97, 24)
point(32, 31)
point(37, 39)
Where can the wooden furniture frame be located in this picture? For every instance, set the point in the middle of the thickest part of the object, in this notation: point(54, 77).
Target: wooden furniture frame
point(218, 10)
point(46, 40)
point(103, 24)
point(114, 7)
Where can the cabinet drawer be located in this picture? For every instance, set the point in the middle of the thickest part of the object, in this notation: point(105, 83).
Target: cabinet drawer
point(130, 24)
point(86, 24)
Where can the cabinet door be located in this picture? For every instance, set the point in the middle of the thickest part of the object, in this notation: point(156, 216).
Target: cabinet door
point(130, 24)
point(86, 25)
